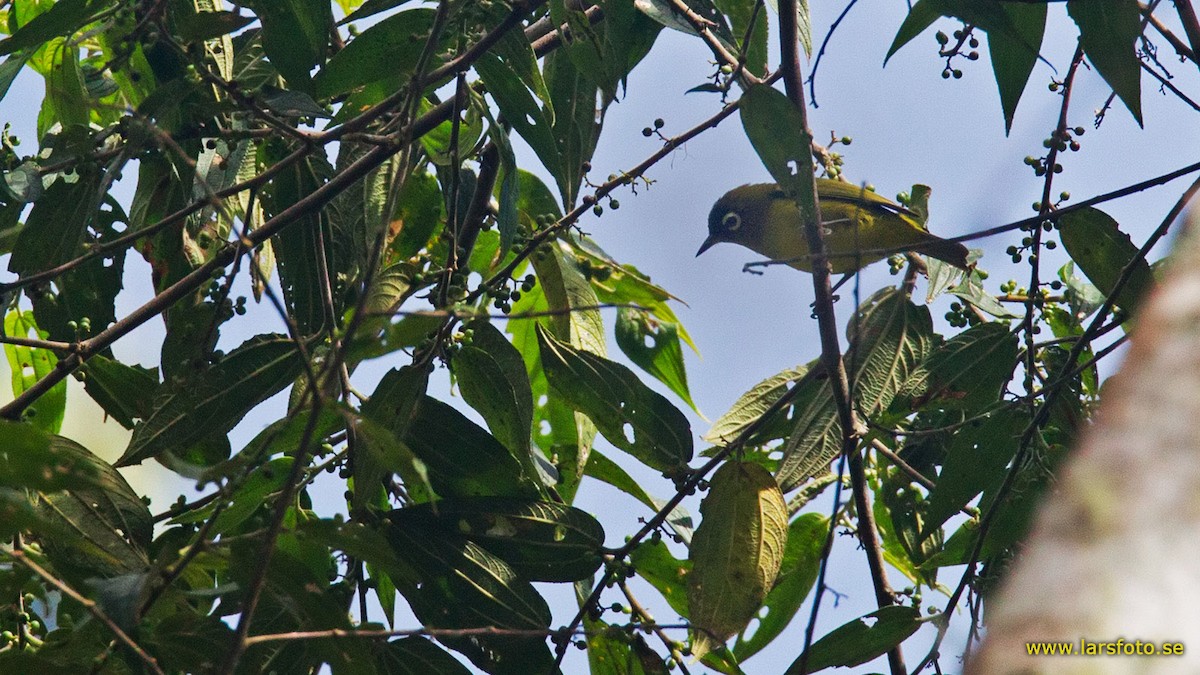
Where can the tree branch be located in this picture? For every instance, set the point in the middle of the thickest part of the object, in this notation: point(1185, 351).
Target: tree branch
point(90, 606)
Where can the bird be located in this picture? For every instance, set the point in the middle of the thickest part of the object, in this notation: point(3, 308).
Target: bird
point(860, 227)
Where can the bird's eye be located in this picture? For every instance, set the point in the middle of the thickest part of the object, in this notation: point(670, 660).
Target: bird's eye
point(731, 221)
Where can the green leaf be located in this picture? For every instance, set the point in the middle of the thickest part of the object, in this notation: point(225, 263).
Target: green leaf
point(604, 469)
point(564, 294)
point(779, 136)
point(125, 392)
point(666, 573)
point(186, 641)
point(108, 527)
point(653, 347)
point(415, 655)
point(200, 26)
point(861, 640)
point(513, 96)
point(1013, 60)
point(921, 15)
point(576, 120)
point(1082, 297)
point(437, 143)
point(463, 459)
point(382, 453)
point(612, 651)
point(419, 210)
point(290, 103)
point(892, 338)
point(31, 459)
point(803, 23)
point(461, 585)
point(62, 18)
point(370, 8)
point(797, 575)
point(976, 460)
point(630, 415)
point(254, 493)
point(751, 405)
point(389, 49)
point(492, 379)
point(294, 37)
point(24, 183)
point(736, 553)
point(1102, 251)
point(395, 399)
point(84, 303)
point(213, 401)
point(1108, 33)
point(54, 230)
point(541, 541)
point(739, 13)
point(973, 292)
point(28, 365)
point(968, 372)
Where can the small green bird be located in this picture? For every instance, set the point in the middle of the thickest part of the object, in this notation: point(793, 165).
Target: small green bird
point(858, 226)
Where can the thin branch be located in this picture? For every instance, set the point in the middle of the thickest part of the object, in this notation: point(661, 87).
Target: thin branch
point(1180, 46)
point(687, 487)
point(282, 503)
point(812, 75)
point(1170, 87)
point(90, 606)
point(901, 464)
point(811, 627)
point(1191, 25)
point(341, 633)
point(831, 356)
point(647, 621)
point(703, 27)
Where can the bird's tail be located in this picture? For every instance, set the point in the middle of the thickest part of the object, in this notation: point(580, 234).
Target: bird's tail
point(948, 251)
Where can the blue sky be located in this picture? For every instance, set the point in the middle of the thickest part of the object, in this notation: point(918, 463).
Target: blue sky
point(909, 125)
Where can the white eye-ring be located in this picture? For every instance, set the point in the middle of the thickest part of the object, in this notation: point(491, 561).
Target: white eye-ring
point(731, 221)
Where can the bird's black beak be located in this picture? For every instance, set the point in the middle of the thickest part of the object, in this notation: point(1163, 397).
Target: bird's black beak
point(708, 243)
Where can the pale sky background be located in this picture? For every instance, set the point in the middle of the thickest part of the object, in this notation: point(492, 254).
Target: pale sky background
point(908, 125)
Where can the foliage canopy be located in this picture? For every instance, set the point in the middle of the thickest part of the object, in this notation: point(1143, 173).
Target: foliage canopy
point(352, 167)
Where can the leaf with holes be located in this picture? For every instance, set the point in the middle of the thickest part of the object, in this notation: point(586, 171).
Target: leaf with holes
point(736, 553)
point(654, 347)
point(797, 575)
point(861, 640)
point(628, 414)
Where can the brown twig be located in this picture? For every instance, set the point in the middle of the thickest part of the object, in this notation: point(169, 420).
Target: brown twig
point(341, 633)
point(647, 621)
point(90, 606)
point(1191, 25)
point(904, 466)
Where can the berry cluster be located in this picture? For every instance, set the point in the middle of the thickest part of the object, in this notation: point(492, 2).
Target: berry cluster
point(963, 36)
